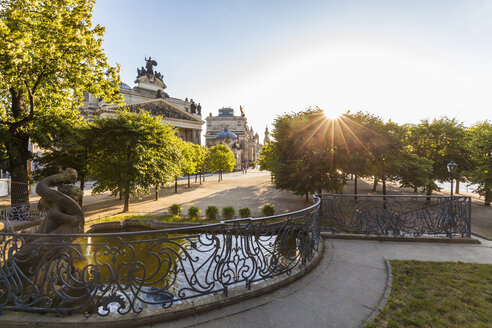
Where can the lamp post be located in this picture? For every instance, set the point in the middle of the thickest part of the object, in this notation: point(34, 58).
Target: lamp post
point(452, 171)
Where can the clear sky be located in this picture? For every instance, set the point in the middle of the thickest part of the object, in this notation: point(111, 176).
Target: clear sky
point(401, 60)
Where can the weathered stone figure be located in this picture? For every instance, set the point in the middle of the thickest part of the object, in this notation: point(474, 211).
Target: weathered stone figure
point(63, 213)
point(149, 65)
point(193, 107)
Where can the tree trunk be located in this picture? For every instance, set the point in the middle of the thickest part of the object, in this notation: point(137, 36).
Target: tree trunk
point(383, 179)
point(415, 189)
point(126, 207)
point(196, 175)
point(488, 196)
point(175, 185)
point(375, 185)
point(218, 175)
point(457, 190)
point(156, 192)
point(18, 152)
point(188, 180)
point(355, 185)
point(200, 177)
point(82, 184)
point(307, 197)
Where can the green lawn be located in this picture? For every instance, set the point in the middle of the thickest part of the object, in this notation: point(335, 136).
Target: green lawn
point(438, 294)
point(161, 218)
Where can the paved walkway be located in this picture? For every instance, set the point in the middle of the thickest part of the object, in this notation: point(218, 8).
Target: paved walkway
point(342, 291)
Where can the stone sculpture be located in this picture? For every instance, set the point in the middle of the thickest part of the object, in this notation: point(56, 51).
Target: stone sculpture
point(193, 107)
point(149, 65)
point(63, 213)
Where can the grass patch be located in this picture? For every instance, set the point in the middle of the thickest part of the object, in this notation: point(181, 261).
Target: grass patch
point(160, 218)
point(438, 294)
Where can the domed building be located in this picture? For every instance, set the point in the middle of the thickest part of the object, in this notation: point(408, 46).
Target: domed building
point(232, 131)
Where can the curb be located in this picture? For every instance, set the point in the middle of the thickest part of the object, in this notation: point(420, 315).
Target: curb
point(445, 240)
point(384, 299)
point(480, 236)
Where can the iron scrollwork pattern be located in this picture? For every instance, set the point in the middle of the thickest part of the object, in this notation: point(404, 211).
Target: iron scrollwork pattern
point(20, 212)
point(128, 272)
point(396, 215)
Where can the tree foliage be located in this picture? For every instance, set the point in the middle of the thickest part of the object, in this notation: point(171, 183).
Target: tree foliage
point(49, 53)
point(440, 140)
point(132, 152)
point(312, 153)
point(479, 139)
point(220, 159)
point(74, 150)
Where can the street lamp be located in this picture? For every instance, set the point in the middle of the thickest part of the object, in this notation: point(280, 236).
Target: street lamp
point(452, 171)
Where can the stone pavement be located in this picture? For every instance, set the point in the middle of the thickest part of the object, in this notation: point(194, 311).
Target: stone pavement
point(342, 291)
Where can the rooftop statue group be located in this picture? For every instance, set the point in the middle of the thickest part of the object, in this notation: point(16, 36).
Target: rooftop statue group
point(149, 69)
point(195, 109)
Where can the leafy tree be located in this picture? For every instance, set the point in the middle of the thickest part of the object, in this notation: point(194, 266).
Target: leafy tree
point(303, 157)
point(267, 158)
point(133, 151)
point(200, 155)
point(219, 159)
point(50, 52)
point(74, 151)
point(440, 140)
point(189, 163)
point(479, 139)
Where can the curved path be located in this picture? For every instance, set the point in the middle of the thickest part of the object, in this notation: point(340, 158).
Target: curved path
point(342, 291)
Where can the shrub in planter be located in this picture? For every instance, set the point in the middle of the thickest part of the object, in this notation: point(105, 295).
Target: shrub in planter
point(268, 210)
point(244, 212)
point(175, 209)
point(228, 212)
point(194, 212)
point(211, 212)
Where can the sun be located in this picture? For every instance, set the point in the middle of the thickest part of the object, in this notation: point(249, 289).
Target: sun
point(333, 114)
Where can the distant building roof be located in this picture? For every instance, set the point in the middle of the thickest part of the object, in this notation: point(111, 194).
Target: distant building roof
point(123, 85)
point(226, 112)
point(226, 134)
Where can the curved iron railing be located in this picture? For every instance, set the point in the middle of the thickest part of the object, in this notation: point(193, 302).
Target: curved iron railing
point(103, 273)
point(396, 215)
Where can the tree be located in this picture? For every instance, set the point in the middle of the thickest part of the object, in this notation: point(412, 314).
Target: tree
point(200, 156)
point(72, 151)
point(440, 140)
point(219, 159)
point(479, 141)
point(306, 155)
point(50, 52)
point(132, 152)
point(188, 164)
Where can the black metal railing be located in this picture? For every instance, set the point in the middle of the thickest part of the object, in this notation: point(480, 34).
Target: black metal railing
point(20, 212)
point(124, 272)
point(396, 215)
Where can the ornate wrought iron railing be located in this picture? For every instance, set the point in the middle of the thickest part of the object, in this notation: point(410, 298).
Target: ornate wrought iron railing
point(128, 272)
point(396, 215)
point(20, 212)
